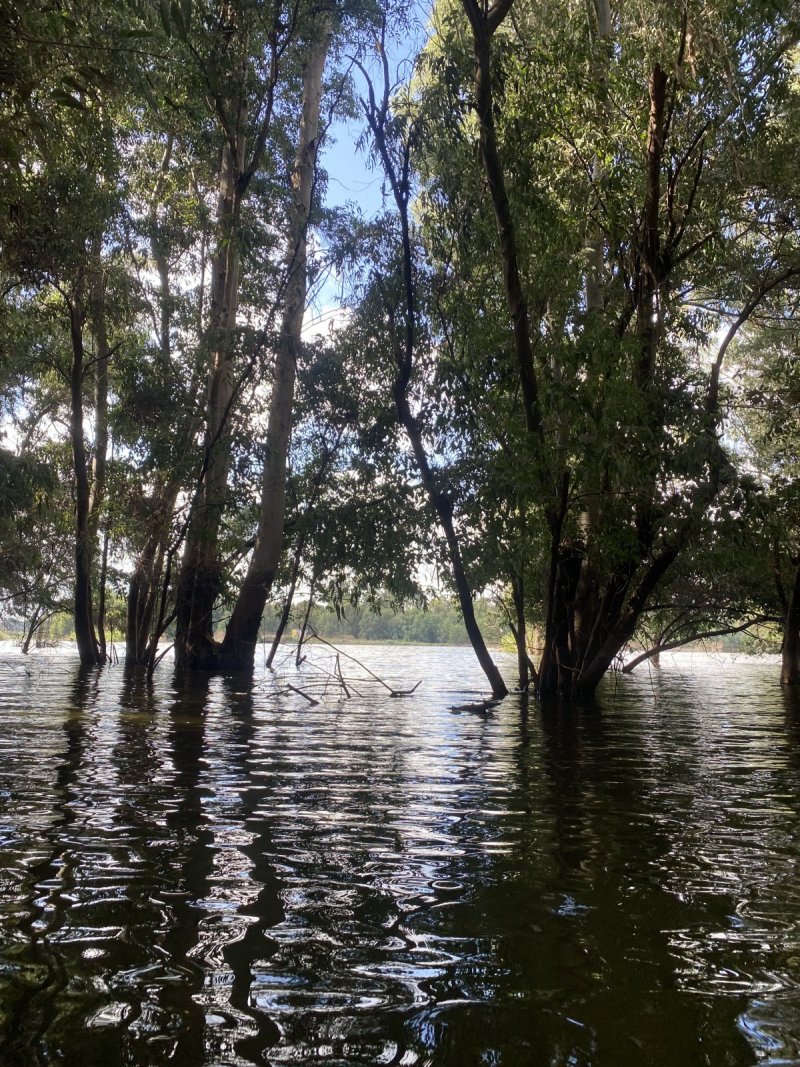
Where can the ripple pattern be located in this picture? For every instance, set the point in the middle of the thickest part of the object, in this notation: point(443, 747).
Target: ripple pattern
point(224, 874)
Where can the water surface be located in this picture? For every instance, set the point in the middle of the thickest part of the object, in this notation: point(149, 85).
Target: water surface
point(229, 874)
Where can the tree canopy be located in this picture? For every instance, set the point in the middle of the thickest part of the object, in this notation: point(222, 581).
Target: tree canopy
point(566, 362)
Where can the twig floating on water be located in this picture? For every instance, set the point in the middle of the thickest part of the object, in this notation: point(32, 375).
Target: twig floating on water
point(300, 692)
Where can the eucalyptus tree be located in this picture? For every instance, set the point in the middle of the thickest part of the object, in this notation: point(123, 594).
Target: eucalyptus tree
point(62, 192)
point(242, 631)
point(396, 289)
point(645, 135)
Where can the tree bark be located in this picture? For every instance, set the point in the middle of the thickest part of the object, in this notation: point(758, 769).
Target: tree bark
point(238, 649)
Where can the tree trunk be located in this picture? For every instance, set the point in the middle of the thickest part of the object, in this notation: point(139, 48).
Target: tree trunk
point(483, 26)
point(588, 624)
point(38, 618)
point(790, 655)
point(443, 509)
point(88, 648)
point(438, 500)
point(238, 649)
point(200, 577)
point(298, 656)
point(144, 586)
point(100, 454)
point(520, 631)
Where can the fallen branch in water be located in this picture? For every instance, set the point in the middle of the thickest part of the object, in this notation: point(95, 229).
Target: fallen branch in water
point(305, 696)
point(392, 692)
point(341, 677)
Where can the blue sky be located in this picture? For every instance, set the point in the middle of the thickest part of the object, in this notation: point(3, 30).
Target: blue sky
point(351, 176)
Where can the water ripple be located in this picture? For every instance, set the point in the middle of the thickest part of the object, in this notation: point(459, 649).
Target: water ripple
point(219, 875)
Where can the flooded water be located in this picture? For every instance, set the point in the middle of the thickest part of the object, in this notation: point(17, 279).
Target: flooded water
point(226, 875)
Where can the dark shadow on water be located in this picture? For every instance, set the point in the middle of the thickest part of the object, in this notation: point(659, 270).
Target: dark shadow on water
point(40, 970)
point(532, 886)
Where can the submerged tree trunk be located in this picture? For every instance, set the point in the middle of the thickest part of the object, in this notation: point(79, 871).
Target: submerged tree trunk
point(238, 648)
point(100, 454)
point(519, 631)
point(443, 509)
point(403, 350)
point(88, 648)
point(200, 577)
point(790, 654)
point(37, 620)
point(144, 587)
point(588, 621)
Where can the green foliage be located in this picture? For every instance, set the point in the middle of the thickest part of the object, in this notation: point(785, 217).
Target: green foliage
point(438, 623)
point(113, 118)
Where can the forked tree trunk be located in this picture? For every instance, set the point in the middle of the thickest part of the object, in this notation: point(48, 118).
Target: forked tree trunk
point(238, 649)
point(589, 623)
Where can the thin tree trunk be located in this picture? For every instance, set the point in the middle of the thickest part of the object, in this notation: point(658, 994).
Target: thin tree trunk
point(100, 454)
point(280, 630)
point(443, 509)
point(101, 598)
point(438, 500)
point(286, 610)
point(37, 618)
point(100, 366)
point(484, 23)
point(144, 586)
point(239, 646)
point(88, 648)
point(298, 658)
point(520, 631)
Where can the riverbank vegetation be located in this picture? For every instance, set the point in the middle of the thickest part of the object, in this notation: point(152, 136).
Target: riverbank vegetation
point(565, 371)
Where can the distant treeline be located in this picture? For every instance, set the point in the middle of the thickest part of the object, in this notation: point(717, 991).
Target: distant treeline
point(438, 624)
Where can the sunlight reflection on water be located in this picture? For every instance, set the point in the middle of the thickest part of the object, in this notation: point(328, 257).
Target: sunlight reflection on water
point(226, 874)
